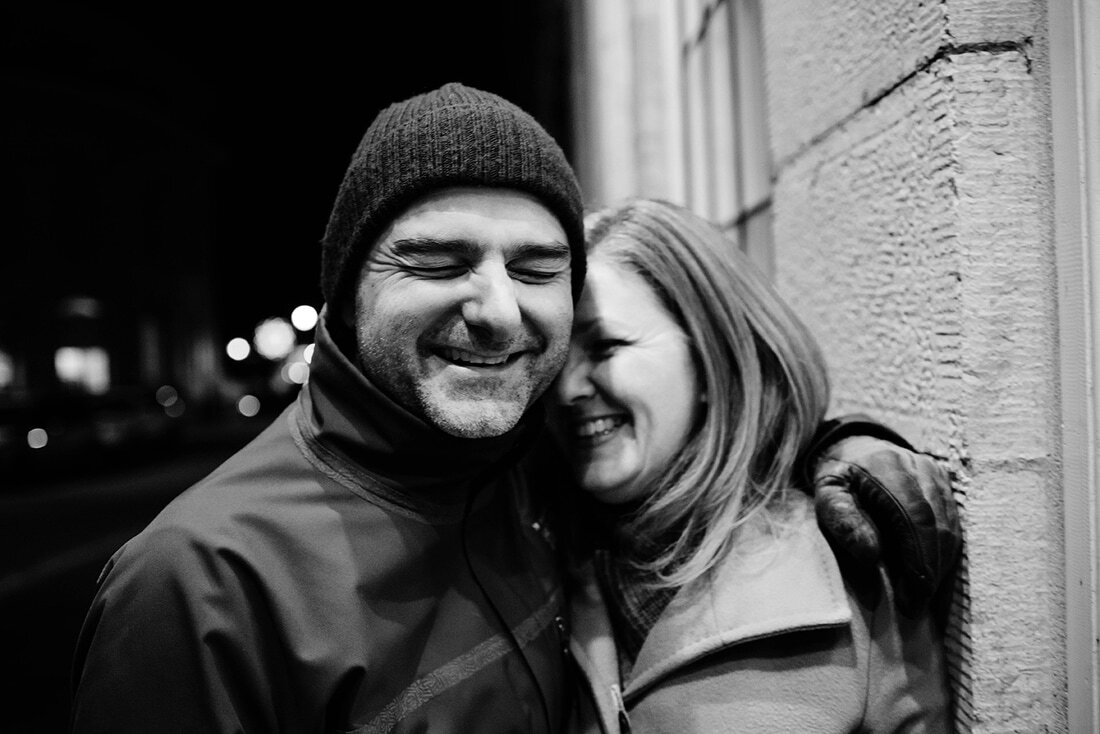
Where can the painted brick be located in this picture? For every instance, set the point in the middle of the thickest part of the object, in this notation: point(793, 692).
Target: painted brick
point(985, 21)
point(1016, 600)
point(1009, 299)
point(869, 217)
point(912, 238)
point(825, 59)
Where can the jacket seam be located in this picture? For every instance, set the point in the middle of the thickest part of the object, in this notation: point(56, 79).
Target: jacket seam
point(424, 689)
point(870, 647)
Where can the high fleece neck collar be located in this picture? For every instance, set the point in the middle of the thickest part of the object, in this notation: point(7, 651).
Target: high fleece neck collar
point(357, 421)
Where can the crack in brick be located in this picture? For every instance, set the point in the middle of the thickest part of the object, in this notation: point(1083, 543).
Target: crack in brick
point(946, 51)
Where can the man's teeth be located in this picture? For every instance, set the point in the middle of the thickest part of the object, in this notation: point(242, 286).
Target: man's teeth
point(457, 355)
point(598, 426)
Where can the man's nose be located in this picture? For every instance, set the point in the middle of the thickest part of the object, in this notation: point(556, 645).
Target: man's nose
point(493, 305)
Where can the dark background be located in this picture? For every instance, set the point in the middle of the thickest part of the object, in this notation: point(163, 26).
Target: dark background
point(174, 167)
point(268, 106)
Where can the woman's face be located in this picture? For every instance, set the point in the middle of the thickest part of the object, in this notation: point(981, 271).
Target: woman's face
point(629, 387)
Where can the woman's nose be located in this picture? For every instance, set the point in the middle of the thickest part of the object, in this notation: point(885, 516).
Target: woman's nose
point(574, 383)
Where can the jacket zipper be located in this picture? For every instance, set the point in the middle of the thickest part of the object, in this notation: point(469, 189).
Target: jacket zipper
point(620, 708)
point(465, 540)
point(563, 637)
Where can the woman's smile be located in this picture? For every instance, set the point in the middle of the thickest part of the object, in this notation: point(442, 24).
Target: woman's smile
point(592, 431)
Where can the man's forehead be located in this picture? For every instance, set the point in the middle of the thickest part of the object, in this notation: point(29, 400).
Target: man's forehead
point(475, 216)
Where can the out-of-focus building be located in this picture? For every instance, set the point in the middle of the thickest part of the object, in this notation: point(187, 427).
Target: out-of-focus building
point(108, 234)
point(922, 180)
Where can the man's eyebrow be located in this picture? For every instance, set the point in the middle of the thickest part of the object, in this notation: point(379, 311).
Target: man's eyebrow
point(550, 249)
point(413, 246)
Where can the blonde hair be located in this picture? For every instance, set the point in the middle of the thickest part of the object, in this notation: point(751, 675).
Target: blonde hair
point(763, 375)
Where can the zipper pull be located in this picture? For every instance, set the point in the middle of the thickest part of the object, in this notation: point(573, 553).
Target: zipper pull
point(620, 708)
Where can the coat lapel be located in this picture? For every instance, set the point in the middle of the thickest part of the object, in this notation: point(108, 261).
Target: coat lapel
point(776, 580)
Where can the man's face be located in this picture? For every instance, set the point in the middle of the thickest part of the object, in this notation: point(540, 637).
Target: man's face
point(463, 308)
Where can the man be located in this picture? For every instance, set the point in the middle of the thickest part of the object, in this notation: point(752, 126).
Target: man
point(376, 560)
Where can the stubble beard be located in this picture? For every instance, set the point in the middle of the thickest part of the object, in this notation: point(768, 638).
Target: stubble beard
point(473, 417)
point(476, 411)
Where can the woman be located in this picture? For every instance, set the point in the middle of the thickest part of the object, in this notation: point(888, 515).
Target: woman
point(706, 598)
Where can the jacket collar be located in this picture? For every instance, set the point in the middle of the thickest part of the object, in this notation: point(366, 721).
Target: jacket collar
point(774, 582)
point(353, 424)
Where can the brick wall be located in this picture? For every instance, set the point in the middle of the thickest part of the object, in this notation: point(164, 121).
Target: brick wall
point(913, 232)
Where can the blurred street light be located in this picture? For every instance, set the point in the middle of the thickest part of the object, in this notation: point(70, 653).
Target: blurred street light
point(167, 395)
point(248, 406)
point(274, 338)
point(238, 349)
point(7, 370)
point(297, 372)
point(85, 367)
point(37, 438)
point(304, 318)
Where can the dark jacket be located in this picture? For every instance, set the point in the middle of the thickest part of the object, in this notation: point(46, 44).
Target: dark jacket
point(778, 641)
point(353, 569)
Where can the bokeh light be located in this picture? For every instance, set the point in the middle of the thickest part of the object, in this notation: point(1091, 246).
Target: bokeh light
point(297, 372)
point(238, 349)
point(85, 367)
point(304, 318)
point(7, 370)
point(274, 338)
point(167, 395)
point(248, 406)
point(37, 438)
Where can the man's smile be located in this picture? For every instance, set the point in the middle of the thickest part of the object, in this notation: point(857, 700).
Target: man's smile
point(477, 359)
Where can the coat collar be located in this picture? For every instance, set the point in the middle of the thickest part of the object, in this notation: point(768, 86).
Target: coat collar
point(357, 429)
point(775, 581)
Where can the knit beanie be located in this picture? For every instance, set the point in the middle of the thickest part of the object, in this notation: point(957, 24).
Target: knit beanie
point(451, 136)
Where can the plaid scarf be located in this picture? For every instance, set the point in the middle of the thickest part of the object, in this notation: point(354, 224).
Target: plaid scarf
point(633, 606)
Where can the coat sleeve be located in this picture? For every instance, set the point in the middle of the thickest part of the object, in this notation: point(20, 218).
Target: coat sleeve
point(906, 673)
point(177, 639)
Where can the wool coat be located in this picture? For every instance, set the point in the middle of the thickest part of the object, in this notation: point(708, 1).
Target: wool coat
point(779, 641)
point(353, 569)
